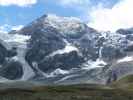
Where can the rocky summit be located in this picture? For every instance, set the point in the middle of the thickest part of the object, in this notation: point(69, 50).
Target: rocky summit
point(63, 50)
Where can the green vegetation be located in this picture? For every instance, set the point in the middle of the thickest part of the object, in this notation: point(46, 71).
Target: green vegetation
point(72, 92)
point(124, 80)
point(119, 90)
point(125, 83)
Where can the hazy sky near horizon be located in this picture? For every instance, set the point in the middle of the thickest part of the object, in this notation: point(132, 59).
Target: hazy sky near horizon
point(113, 14)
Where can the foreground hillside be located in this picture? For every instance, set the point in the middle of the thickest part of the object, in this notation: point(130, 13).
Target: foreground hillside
point(124, 83)
point(71, 92)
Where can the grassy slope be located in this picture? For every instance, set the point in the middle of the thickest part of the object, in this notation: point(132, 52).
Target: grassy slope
point(125, 83)
point(73, 92)
point(120, 90)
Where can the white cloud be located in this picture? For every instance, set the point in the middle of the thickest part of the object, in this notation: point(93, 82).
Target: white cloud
point(21, 3)
point(17, 27)
point(6, 28)
point(72, 3)
point(119, 16)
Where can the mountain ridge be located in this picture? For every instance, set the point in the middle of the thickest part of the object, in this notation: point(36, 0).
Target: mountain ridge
point(62, 50)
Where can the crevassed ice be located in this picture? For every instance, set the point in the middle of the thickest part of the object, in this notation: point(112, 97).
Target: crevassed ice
point(125, 59)
point(14, 38)
point(94, 64)
point(18, 38)
point(20, 42)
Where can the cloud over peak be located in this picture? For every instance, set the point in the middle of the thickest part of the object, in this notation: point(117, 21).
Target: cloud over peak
point(21, 3)
point(6, 28)
point(119, 16)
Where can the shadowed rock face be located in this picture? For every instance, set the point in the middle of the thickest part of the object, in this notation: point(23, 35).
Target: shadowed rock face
point(9, 69)
point(64, 61)
point(3, 53)
point(12, 70)
point(65, 50)
point(125, 31)
point(43, 43)
point(6, 53)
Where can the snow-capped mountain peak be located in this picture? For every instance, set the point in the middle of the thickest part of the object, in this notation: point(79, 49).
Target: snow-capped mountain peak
point(54, 48)
point(67, 25)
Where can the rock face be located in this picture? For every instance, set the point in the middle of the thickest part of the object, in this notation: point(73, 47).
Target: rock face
point(62, 50)
point(12, 70)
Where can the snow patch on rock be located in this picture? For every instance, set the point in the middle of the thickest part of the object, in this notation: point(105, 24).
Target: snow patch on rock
point(66, 25)
point(125, 59)
point(68, 48)
point(57, 72)
point(94, 64)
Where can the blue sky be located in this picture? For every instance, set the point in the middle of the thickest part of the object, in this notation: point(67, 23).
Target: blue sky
point(21, 12)
point(16, 15)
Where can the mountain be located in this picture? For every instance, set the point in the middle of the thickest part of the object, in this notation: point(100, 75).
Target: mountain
point(63, 50)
